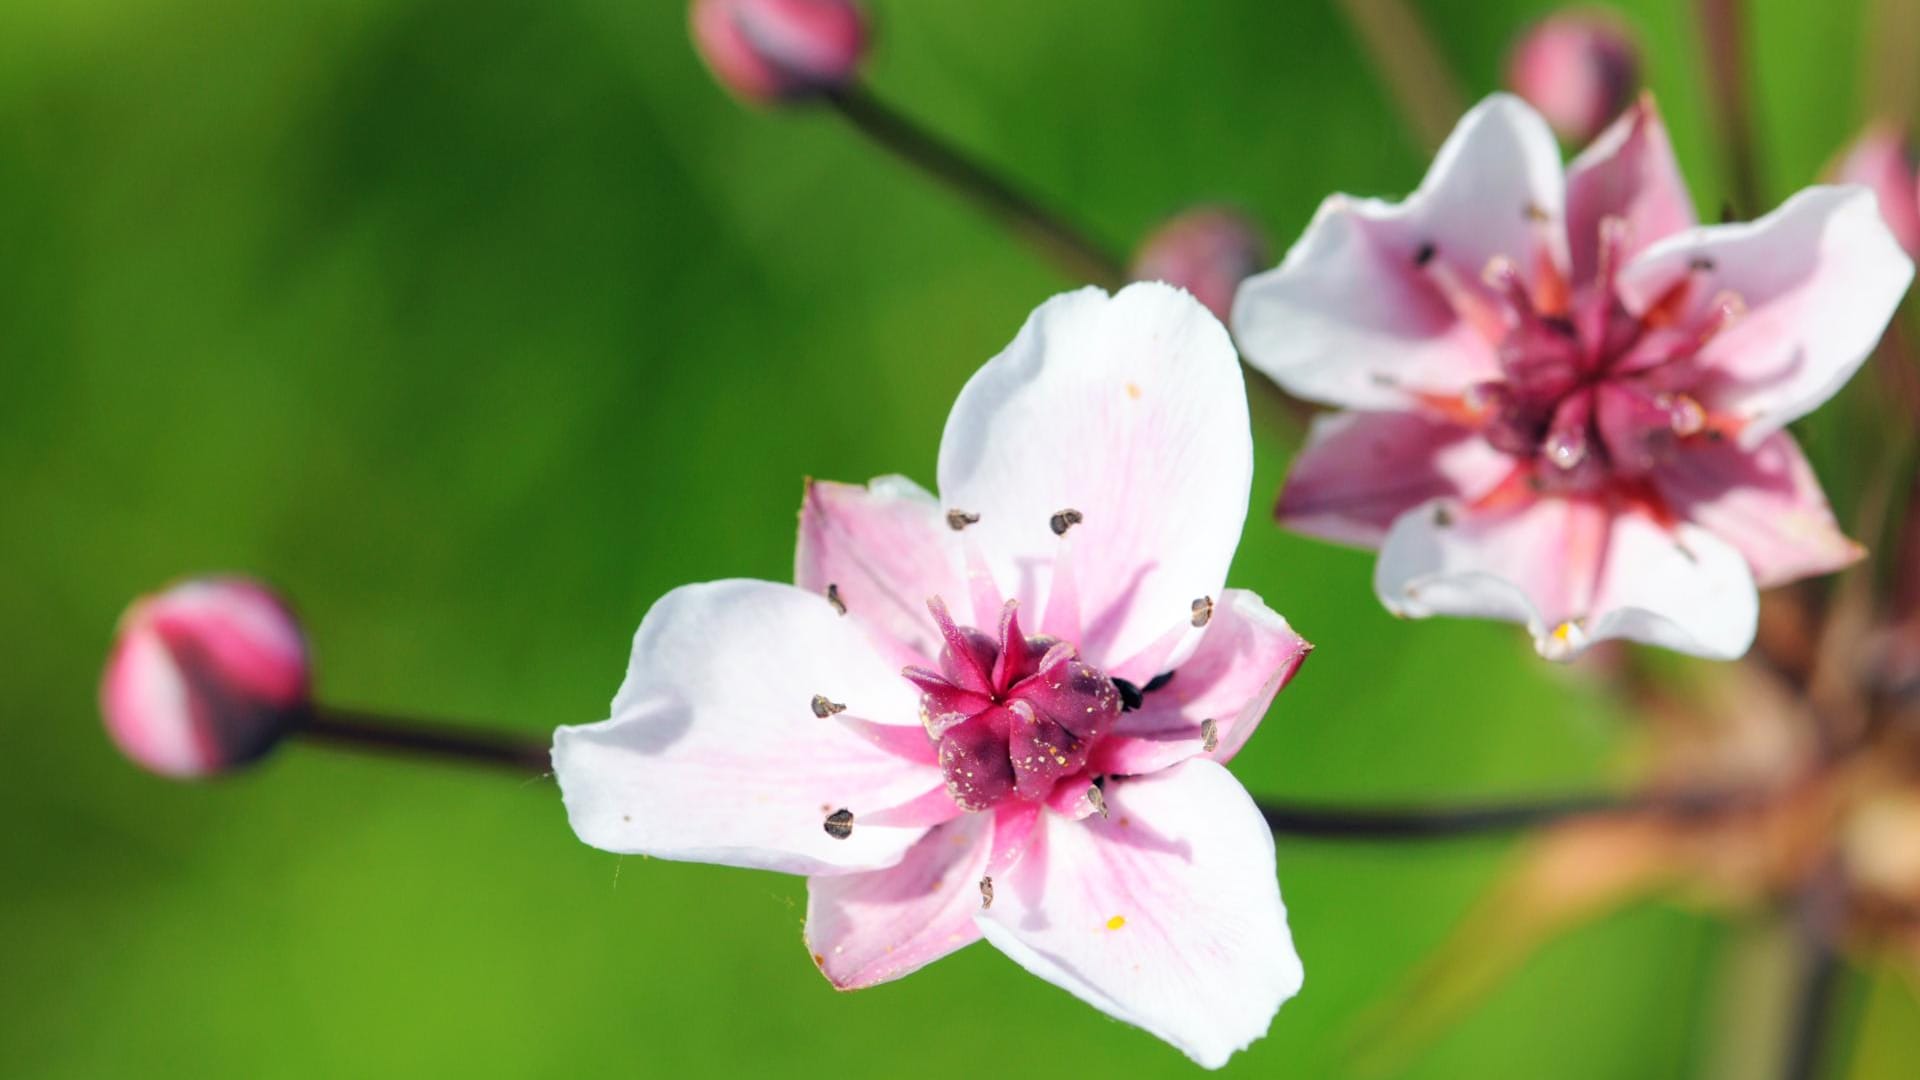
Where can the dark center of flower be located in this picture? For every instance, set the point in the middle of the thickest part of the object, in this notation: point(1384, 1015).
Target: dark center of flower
point(1013, 716)
point(1590, 394)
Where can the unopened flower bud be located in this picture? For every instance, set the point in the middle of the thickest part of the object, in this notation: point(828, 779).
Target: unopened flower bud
point(1207, 251)
point(1882, 160)
point(1580, 69)
point(780, 50)
point(205, 677)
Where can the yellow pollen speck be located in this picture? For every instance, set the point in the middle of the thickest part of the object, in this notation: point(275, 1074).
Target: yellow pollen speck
point(1133, 391)
point(1116, 922)
point(1563, 631)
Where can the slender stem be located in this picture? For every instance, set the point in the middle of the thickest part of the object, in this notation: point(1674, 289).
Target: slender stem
point(1818, 983)
point(1439, 823)
point(1723, 38)
point(1424, 87)
point(377, 731)
point(380, 732)
point(1068, 248)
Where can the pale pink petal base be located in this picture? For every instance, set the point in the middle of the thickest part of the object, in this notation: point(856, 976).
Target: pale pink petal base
point(1628, 173)
point(1128, 410)
point(1819, 279)
point(1359, 471)
point(1248, 654)
point(715, 754)
point(1165, 914)
point(885, 548)
point(865, 929)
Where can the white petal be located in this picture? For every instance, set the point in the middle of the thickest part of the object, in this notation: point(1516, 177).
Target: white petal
point(1349, 318)
point(1681, 588)
point(714, 753)
point(1131, 410)
point(870, 928)
point(1820, 277)
point(1573, 573)
point(885, 548)
point(1165, 913)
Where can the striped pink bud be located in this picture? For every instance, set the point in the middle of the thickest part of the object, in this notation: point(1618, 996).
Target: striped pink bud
point(205, 677)
point(780, 50)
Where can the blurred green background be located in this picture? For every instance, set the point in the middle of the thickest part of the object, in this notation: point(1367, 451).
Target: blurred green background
point(479, 324)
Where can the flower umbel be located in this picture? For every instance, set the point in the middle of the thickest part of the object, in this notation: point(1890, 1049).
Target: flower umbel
point(1567, 398)
point(1001, 712)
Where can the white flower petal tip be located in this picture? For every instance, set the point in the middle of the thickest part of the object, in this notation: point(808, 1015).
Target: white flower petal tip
point(1165, 913)
point(1129, 411)
point(716, 753)
point(1818, 279)
point(1352, 317)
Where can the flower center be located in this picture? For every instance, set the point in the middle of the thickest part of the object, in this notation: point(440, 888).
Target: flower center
point(1590, 395)
point(1013, 716)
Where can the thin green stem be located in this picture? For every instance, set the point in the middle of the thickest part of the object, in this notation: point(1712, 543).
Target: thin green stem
point(1079, 257)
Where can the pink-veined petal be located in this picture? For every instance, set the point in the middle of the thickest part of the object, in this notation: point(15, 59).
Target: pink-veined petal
point(1819, 279)
point(715, 753)
point(886, 549)
point(1352, 316)
point(1131, 411)
point(1628, 173)
point(1247, 655)
point(1766, 502)
point(1165, 913)
point(870, 928)
point(1572, 572)
point(1359, 471)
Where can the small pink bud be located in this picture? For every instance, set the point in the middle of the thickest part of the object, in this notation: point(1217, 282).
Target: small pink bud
point(204, 677)
point(1207, 251)
point(1883, 160)
point(780, 50)
point(1579, 68)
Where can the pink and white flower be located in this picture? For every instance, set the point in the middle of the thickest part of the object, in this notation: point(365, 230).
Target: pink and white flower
point(1567, 400)
point(1002, 711)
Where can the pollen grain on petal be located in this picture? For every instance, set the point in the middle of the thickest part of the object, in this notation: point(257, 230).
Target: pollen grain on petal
point(1209, 735)
point(1116, 922)
point(839, 824)
point(986, 892)
point(960, 519)
point(1202, 611)
point(1064, 520)
point(824, 707)
point(833, 597)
